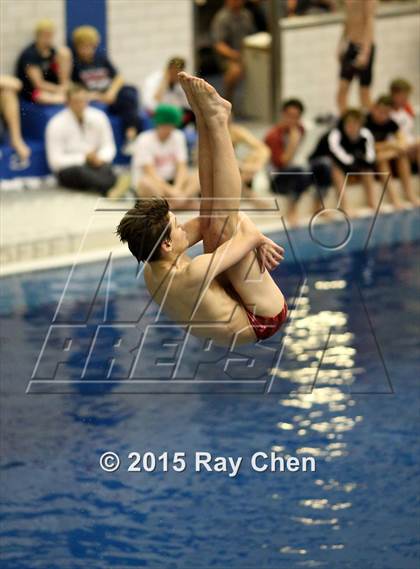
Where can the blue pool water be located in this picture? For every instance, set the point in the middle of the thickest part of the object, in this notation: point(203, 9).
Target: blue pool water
point(343, 389)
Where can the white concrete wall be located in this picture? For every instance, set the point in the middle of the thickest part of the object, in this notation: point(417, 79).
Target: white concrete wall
point(144, 34)
point(310, 66)
point(17, 22)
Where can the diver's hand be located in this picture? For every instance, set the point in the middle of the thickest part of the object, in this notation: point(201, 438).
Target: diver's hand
point(269, 255)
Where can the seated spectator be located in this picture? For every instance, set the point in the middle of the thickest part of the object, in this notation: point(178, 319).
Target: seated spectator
point(352, 150)
point(284, 140)
point(80, 147)
point(391, 148)
point(320, 163)
point(229, 27)
point(159, 163)
point(43, 69)
point(98, 75)
point(163, 87)
point(403, 114)
point(255, 159)
point(9, 111)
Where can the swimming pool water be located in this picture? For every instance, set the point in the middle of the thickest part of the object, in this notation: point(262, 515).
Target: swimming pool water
point(345, 391)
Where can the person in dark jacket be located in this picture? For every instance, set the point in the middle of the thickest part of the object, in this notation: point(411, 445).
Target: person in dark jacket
point(349, 148)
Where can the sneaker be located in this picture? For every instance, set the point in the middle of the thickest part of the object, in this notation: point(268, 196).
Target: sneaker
point(120, 188)
point(128, 148)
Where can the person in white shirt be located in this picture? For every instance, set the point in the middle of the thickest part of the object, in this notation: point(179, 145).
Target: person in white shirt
point(163, 87)
point(159, 163)
point(80, 146)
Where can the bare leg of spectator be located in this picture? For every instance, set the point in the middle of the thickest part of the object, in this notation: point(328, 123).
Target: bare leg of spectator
point(292, 214)
point(342, 95)
point(368, 182)
point(318, 204)
point(148, 187)
point(385, 172)
point(64, 63)
point(191, 186)
point(9, 105)
point(339, 180)
point(413, 153)
point(365, 98)
point(404, 173)
point(231, 78)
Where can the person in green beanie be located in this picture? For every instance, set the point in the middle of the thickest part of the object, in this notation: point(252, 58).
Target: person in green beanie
point(159, 163)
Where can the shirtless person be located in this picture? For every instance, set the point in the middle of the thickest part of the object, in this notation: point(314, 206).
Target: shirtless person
point(223, 294)
point(356, 51)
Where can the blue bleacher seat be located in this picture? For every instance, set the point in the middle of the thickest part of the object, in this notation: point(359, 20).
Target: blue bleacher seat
point(34, 118)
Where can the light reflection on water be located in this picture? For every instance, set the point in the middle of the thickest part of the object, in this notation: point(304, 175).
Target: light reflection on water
point(324, 344)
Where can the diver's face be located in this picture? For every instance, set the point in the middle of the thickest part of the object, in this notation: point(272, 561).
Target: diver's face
point(179, 238)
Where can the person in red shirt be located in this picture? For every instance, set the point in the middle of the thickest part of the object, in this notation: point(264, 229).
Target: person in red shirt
point(284, 140)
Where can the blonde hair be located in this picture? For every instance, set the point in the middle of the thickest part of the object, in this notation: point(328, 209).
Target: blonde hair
point(86, 34)
point(399, 85)
point(44, 26)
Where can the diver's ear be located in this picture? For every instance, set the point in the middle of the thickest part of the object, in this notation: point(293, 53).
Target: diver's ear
point(166, 245)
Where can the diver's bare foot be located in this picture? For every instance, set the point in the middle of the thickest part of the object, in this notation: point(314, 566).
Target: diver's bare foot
point(212, 106)
point(185, 84)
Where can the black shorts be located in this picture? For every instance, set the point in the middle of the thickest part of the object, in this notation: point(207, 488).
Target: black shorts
point(291, 181)
point(349, 71)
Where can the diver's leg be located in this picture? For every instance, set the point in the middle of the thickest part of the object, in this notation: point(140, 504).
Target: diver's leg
point(257, 290)
point(205, 168)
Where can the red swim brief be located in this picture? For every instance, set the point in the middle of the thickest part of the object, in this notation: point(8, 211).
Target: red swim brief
point(263, 326)
point(266, 326)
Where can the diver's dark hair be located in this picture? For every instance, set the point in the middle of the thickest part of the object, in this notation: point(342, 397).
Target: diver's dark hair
point(145, 227)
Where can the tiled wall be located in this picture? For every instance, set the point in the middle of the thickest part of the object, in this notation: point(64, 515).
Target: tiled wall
point(143, 34)
point(311, 66)
point(17, 22)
